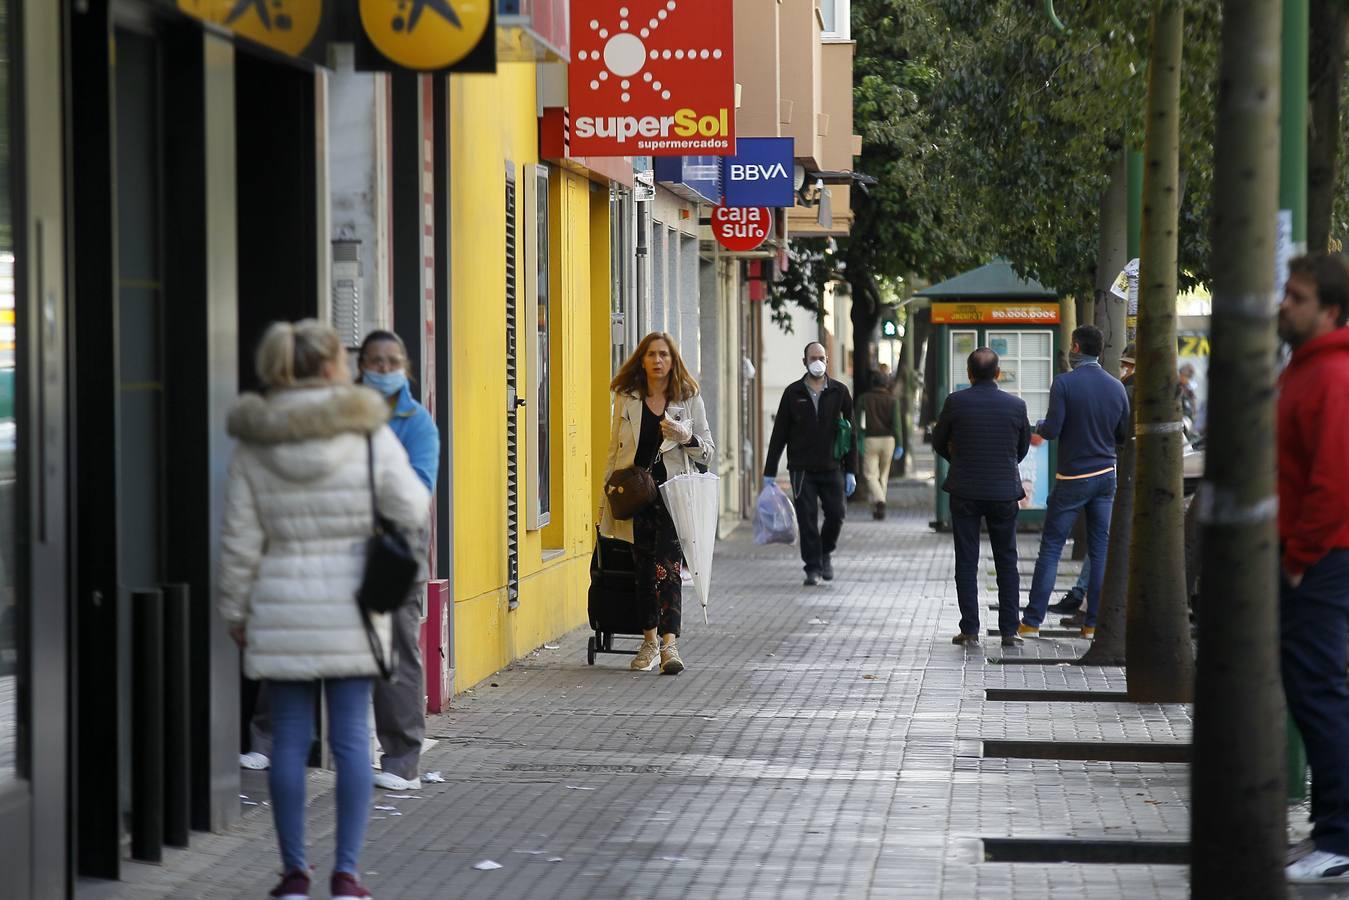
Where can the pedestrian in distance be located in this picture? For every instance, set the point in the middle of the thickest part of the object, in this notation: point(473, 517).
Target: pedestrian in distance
point(822, 472)
point(315, 453)
point(1089, 417)
point(659, 425)
point(984, 433)
point(1313, 516)
point(1072, 601)
point(400, 703)
point(882, 431)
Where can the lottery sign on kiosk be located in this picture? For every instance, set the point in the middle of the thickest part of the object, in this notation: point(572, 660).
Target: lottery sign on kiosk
point(1019, 320)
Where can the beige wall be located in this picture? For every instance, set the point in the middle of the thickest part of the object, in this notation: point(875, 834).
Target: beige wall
point(802, 98)
point(758, 67)
point(836, 90)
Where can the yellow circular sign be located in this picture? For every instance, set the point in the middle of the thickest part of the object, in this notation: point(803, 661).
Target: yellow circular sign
point(285, 25)
point(425, 34)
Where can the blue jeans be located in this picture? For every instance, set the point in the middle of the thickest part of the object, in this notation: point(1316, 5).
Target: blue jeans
point(1095, 496)
point(348, 736)
point(1314, 634)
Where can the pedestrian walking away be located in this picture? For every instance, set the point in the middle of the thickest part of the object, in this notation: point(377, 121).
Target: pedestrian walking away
point(822, 472)
point(984, 433)
point(659, 427)
point(311, 453)
point(400, 703)
point(1089, 416)
point(1313, 442)
point(881, 428)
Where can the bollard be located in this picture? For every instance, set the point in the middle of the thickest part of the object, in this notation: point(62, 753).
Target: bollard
point(177, 721)
point(147, 726)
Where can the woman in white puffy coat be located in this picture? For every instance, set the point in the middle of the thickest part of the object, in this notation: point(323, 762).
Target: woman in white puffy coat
point(297, 516)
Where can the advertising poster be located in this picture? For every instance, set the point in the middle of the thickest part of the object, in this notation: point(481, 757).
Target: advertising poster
point(1035, 476)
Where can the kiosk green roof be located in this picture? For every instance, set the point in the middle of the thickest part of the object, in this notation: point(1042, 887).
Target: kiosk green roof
point(995, 281)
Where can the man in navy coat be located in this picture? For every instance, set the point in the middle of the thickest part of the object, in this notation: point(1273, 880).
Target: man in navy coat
point(984, 432)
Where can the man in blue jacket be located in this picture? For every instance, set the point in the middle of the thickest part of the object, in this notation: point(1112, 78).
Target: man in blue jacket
point(1089, 417)
point(984, 433)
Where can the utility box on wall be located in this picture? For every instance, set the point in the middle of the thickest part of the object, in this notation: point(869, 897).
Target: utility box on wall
point(435, 646)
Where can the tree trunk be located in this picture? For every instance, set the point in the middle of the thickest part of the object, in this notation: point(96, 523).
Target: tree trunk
point(1067, 325)
point(1161, 660)
point(1329, 27)
point(865, 315)
point(1239, 810)
point(1110, 646)
point(1111, 255)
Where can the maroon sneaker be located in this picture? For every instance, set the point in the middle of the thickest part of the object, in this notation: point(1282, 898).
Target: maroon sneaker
point(294, 886)
point(346, 886)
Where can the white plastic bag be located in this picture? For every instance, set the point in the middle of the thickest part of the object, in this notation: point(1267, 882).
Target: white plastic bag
point(774, 517)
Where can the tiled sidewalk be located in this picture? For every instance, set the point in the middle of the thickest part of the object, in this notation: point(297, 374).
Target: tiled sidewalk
point(824, 742)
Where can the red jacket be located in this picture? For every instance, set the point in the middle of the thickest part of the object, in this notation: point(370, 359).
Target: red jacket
point(1314, 451)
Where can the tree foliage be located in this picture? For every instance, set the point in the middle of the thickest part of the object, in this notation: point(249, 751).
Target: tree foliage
point(991, 134)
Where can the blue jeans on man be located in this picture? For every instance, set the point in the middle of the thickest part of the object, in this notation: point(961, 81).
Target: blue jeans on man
point(1094, 496)
point(1314, 635)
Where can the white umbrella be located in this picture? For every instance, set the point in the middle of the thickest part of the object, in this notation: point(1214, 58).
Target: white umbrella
point(693, 502)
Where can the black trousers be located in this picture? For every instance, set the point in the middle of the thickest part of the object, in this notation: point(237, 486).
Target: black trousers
point(1001, 517)
point(812, 491)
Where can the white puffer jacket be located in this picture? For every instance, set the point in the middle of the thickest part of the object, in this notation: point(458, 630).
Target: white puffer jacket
point(297, 516)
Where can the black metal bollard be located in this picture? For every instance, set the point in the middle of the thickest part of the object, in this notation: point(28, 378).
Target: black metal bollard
point(177, 723)
point(147, 726)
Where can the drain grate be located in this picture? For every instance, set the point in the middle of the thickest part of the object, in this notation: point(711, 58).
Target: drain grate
point(1032, 660)
point(1050, 850)
point(1097, 751)
point(577, 768)
point(1022, 694)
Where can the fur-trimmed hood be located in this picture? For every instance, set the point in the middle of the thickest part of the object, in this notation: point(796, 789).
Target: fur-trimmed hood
point(292, 431)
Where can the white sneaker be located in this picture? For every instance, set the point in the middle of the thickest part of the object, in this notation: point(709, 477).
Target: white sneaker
point(255, 761)
point(1301, 850)
point(1319, 867)
point(647, 657)
point(391, 782)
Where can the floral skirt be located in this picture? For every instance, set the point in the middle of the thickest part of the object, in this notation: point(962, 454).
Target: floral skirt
point(659, 561)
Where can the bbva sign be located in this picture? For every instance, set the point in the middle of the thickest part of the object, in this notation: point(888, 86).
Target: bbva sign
point(760, 173)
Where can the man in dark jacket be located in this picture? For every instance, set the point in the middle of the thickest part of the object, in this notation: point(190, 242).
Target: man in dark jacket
point(1089, 416)
point(984, 433)
point(807, 424)
point(1313, 440)
point(882, 433)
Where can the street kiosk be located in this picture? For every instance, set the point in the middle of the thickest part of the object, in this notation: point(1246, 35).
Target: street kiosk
point(1018, 318)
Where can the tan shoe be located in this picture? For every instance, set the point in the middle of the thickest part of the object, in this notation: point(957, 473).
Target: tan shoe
point(1089, 632)
point(670, 663)
point(1028, 631)
point(647, 655)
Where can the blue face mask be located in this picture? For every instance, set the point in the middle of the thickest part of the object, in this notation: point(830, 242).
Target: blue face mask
point(387, 383)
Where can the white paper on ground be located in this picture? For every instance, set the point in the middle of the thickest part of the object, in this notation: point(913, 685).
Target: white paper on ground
point(553, 859)
point(531, 852)
point(433, 778)
point(487, 865)
point(405, 796)
point(573, 787)
point(386, 808)
point(552, 647)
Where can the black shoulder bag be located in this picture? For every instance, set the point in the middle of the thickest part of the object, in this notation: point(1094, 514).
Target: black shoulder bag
point(390, 570)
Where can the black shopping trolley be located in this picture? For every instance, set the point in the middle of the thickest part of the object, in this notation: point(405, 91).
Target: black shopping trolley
point(612, 601)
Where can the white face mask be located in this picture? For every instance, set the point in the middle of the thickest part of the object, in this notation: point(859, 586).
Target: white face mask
point(816, 368)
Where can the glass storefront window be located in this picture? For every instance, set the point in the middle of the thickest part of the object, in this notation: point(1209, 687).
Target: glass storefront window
point(9, 650)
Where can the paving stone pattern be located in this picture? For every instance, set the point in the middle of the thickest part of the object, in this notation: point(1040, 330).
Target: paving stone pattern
point(824, 742)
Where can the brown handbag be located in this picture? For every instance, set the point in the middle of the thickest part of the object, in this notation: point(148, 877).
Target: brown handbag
point(630, 491)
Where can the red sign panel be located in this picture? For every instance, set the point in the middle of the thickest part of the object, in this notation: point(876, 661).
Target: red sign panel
point(652, 78)
point(741, 228)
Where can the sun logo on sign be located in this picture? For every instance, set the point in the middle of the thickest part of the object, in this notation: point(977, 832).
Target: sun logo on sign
point(625, 52)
